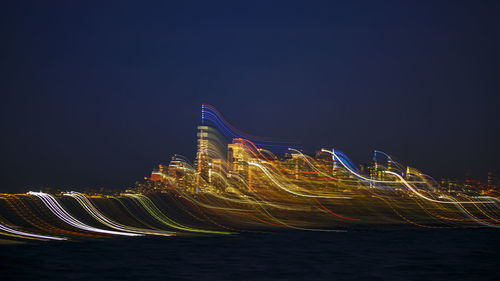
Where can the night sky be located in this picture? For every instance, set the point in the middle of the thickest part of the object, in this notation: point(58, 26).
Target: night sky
point(98, 93)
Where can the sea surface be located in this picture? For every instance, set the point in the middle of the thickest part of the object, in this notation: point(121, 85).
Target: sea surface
point(411, 254)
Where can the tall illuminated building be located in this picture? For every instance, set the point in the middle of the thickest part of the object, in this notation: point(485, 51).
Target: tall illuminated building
point(237, 159)
point(202, 154)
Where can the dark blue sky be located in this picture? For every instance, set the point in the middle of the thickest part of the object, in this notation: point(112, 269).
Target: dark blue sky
point(97, 94)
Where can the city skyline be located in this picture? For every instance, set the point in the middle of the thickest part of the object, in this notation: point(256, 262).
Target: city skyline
point(208, 115)
point(245, 183)
point(224, 134)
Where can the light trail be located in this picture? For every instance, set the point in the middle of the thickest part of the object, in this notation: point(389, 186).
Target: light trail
point(430, 199)
point(63, 215)
point(23, 234)
point(92, 210)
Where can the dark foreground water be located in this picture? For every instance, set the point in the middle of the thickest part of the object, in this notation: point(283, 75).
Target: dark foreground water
point(460, 254)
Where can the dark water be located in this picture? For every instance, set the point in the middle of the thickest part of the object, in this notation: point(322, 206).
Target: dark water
point(460, 254)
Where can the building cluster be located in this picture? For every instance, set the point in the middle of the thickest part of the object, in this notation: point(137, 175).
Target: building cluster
point(222, 167)
point(471, 186)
